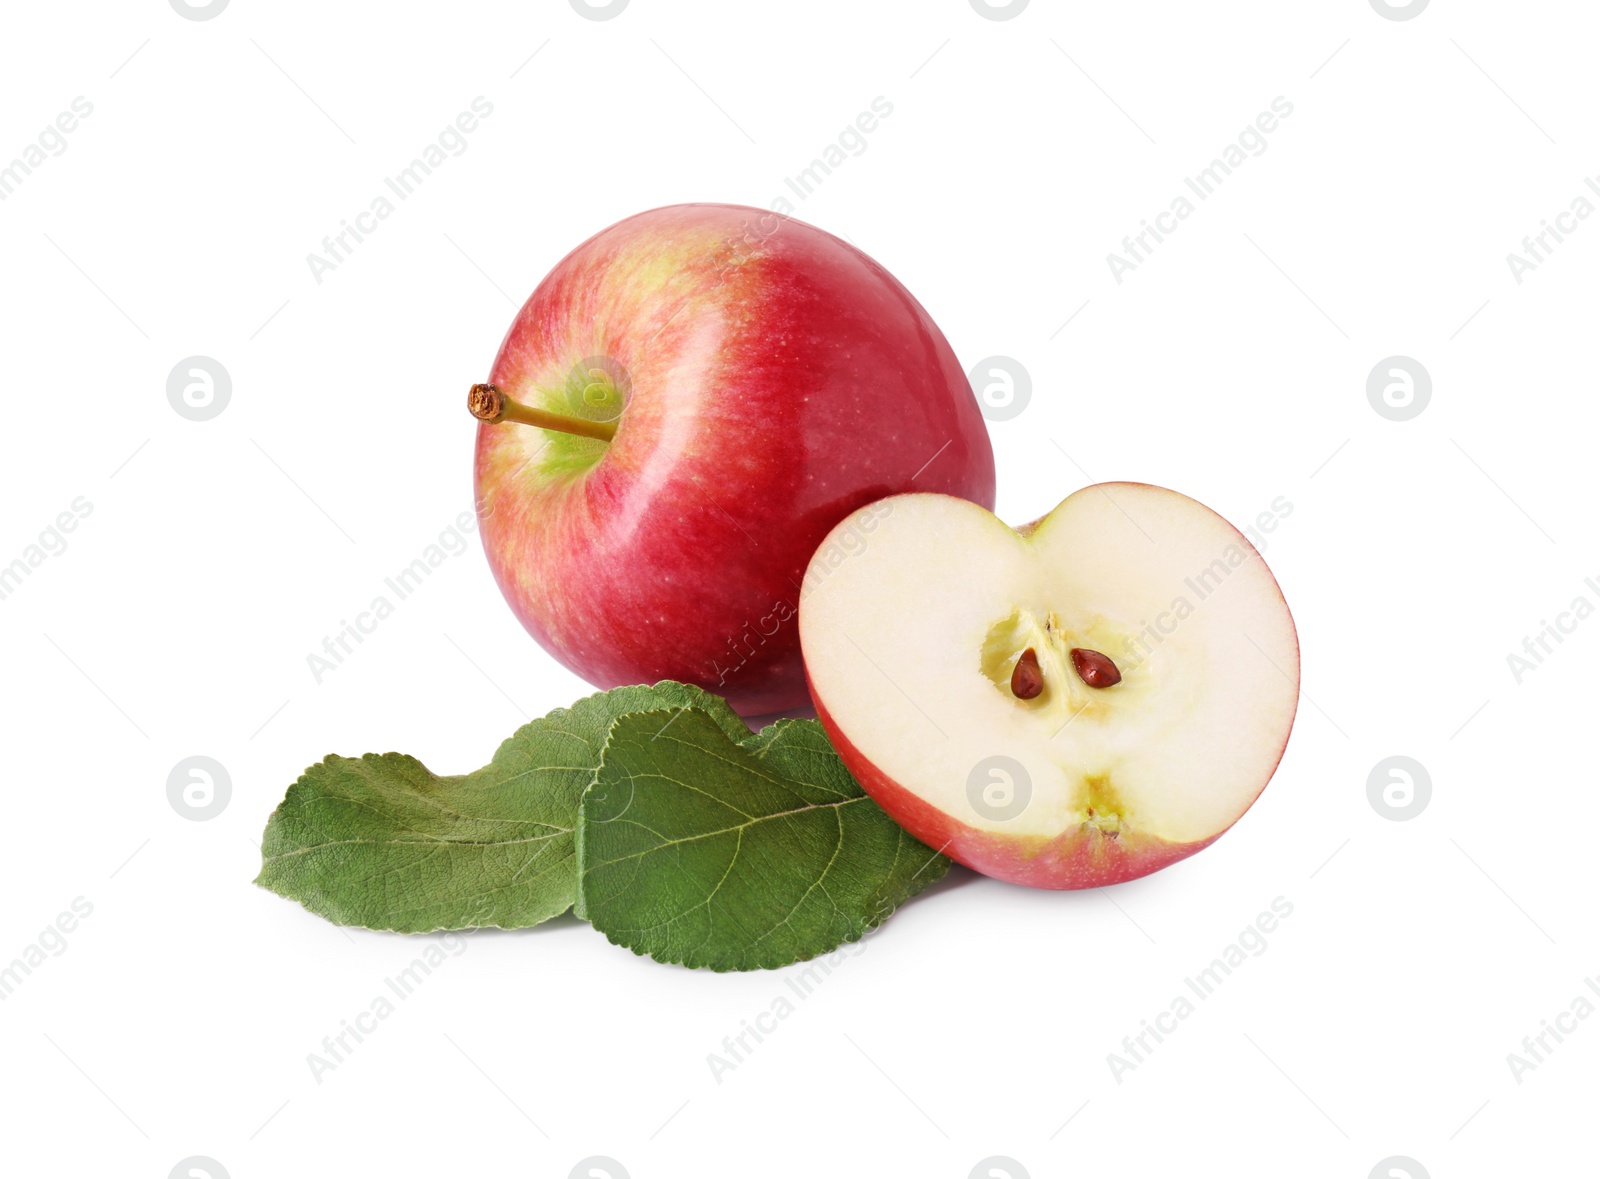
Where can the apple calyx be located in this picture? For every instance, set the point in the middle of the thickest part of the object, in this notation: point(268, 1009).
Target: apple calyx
point(491, 405)
point(1094, 669)
point(1027, 678)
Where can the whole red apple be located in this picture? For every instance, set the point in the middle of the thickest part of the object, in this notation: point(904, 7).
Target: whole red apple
point(688, 403)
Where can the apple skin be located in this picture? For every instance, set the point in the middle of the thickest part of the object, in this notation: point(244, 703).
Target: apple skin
point(777, 379)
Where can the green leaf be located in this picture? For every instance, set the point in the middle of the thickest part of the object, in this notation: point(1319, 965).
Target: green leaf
point(382, 842)
point(700, 848)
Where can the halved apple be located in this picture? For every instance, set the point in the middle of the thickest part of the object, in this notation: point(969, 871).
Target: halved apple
point(1074, 703)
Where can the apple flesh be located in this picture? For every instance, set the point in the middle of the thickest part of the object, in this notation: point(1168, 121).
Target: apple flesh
point(1154, 706)
point(765, 379)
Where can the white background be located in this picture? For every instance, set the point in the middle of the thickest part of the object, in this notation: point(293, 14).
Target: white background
point(1231, 365)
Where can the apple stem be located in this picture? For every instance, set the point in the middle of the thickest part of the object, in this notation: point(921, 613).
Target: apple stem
point(489, 404)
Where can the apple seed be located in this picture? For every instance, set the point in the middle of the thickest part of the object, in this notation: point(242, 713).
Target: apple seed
point(1027, 678)
point(1093, 668)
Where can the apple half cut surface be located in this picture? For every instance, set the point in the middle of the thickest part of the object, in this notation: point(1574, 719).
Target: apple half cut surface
point(1078, 702)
